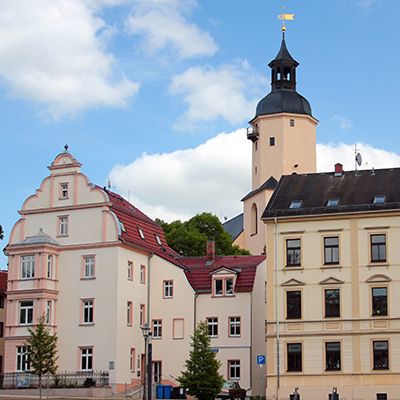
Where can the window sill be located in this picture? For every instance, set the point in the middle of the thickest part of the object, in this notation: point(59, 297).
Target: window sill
point(63, 198)
point(234, 336)
point(378, 264)
point(222, 296)
point(87, 324)
point(380, 316)
point(336, 371)
point(61, 236)
point(156, 338)
point(293, 267)
point(332, 265)
point(90, 278)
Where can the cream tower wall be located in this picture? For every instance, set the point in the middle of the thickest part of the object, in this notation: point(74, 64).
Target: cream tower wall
point(294, 145)
point(355, 329)
point(294, 151)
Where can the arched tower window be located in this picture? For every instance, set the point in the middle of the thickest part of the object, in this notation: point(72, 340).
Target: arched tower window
point(254, 219)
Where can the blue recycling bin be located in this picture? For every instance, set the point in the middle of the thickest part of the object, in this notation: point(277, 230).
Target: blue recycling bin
point(167, 391)
point(160, 392)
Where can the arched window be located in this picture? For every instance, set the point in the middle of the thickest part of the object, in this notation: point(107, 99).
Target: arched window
point(254, 219)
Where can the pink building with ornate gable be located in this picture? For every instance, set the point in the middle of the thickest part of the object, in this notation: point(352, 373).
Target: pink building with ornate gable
point(98, 269)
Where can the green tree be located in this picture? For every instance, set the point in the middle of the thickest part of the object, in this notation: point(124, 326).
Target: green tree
point(42, 351)
point(189, 238)
point(201, 377)
point(1, 233)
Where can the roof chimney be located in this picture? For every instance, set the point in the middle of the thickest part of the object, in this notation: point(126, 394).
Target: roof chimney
point(338, 169)
point(210, 249)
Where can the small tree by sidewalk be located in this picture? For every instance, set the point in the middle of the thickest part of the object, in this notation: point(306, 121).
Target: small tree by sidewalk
point(42, 351)
point(201, 377)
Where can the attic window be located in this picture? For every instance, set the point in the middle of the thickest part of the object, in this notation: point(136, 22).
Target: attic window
point(122, 226)
point(158, 240)
point(141, 234)
point(295, 204)
point(332, 203)
point(379, 199)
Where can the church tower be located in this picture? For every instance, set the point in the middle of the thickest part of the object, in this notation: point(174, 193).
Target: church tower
point(283, 133)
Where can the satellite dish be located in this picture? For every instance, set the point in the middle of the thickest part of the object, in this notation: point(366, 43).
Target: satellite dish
point(359, 159)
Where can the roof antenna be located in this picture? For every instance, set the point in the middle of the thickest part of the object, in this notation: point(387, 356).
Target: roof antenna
point(357, 158)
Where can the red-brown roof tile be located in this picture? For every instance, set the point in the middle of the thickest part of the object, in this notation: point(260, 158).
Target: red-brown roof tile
point(199, 271)
point(3, 281)
point(131, 220)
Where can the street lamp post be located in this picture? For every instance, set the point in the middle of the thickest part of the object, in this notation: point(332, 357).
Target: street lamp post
point(148, 359)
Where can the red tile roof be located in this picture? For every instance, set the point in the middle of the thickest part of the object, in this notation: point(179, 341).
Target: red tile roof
point(131, 220)
point(199, 271)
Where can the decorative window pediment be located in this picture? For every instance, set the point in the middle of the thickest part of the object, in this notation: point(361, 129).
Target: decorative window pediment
point(293, 282)
point(331, 281)
point(378, 278)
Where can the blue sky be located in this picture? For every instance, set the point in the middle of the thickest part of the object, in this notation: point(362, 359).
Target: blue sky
point(154, 94)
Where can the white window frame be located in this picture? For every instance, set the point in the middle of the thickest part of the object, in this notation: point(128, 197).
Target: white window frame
point(88, 311)
point(129, 313)
point(130, 271)
point(132, 359)
point(28, 266)
point(168, 289)
point(157, 371)
point(143, 274)
point(212, 322)
point(157, 328)
point(49, 307)
point(224, 289)
point(142, 314)
point(63, 225)
point(86, 358)
point(64, 190)
point(235, 325)
point(26, 312)
point(89, 267)
point(234, 370)
point(22, 359)
point(50, 263)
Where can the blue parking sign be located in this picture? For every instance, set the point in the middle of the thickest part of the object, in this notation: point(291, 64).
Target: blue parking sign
point(260, 359)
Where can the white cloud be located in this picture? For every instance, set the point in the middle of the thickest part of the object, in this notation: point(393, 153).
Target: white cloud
point(211, 177)
point(343, 122)
point(163, 25)
point(216, 175)
point(230, 92)
point(330, 154)
point(366, 4)
point(53, 53)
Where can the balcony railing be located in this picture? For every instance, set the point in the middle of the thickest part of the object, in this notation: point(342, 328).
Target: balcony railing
point(252, 133)
point(67, 379)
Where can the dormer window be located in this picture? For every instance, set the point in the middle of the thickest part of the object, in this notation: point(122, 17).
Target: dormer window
point(295, 204)
point(141, 233)
point(158, 240)
point(332, 203)
point(122, 226)
point(379, 199)
point(64, 190)
point(223, 286)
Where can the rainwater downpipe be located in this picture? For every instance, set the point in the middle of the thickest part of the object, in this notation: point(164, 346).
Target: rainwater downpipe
point(278, 367)
point(149, 257)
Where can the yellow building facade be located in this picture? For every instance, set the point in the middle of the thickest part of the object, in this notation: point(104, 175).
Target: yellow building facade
point(333, 286)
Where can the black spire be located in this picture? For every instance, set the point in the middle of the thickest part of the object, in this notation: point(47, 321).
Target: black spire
point(283, 74)
point(283, 97)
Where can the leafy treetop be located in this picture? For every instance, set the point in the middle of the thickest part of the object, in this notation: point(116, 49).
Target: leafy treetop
point(189, 238)
point(201, 377)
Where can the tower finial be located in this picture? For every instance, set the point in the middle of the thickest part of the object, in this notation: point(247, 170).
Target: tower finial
point(285, 17)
